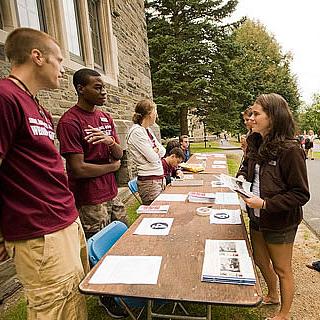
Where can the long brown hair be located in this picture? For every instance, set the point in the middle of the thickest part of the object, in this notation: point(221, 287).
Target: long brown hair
point(282, 129)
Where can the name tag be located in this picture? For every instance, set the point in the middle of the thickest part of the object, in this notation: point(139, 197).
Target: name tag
point(104, 119)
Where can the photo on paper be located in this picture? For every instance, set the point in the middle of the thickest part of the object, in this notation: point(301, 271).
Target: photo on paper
point(229, 264)
point(227, 247)
point(154, 226)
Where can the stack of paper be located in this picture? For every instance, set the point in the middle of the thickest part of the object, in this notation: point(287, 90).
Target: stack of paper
point(153, 209)
point(225, 216)
point(201, 197)
point(227, 261)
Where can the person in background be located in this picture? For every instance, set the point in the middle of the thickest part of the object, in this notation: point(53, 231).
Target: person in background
point(246, 114)
point(308, 144)
point(146, 151)
point(170, 164)
point(91, 147)
point(38, 217)
point(275, 165)
point(170, 145)
point(184, 145)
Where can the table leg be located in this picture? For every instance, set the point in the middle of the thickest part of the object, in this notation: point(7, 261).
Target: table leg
point(132, 316)
point(149, 310)
point(209, 312)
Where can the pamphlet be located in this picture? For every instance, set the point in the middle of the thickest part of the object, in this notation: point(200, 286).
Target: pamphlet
point(153, 209)
point(201, 197)
point(227, 261)
point(154, 226)
point(237, 185)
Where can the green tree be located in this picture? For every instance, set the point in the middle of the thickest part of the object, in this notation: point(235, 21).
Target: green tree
point(184, 39)
point(310, 117)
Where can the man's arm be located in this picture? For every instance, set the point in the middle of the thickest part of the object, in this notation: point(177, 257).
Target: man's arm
point(3, 251)
point(95, 136)
point(82, 169)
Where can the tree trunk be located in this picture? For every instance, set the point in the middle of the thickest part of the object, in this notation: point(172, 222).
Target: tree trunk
point(184, 120)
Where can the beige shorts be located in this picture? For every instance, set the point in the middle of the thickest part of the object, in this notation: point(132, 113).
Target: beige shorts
point(149, 190)
point(50, 269)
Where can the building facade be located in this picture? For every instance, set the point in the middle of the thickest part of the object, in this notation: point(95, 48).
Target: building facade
point(107, 35)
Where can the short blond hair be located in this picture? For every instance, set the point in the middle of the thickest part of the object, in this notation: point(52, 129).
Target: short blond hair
point(21, 41)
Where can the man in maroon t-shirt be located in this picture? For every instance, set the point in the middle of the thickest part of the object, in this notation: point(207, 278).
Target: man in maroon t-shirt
point(170, 164)
point(39, 224)
point(90, 144)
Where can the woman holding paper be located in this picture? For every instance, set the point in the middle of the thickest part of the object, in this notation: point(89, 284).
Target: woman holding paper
point(275, 165)
point(147, 151)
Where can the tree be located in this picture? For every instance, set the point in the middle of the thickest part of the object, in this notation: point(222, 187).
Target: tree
point(310, 117)
point(184, 38)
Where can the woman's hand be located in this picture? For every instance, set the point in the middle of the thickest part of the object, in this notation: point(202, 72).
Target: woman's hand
point(254, 202)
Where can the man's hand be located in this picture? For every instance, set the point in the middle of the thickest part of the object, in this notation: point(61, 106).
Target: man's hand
point(95, 136)
point(254, 202)
point(117, 165)
point(3, 253)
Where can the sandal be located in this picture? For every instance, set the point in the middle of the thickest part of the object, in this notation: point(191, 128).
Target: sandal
point(268, 301)
point(315, 265)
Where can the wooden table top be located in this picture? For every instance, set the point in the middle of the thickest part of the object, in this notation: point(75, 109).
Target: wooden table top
point(182, 254)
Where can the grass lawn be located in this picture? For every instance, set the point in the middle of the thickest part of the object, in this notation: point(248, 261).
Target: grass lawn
point(17, 311)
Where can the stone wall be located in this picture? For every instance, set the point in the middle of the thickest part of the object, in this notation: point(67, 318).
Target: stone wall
point(134, 79)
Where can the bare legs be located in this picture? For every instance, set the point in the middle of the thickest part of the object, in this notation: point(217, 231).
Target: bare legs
point(274, 260)
point(263, 261)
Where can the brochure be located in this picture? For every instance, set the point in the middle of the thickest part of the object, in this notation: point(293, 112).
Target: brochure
point(201, 197)
point(186, 183)
point(227, 261)
point(237, 185)
point(153, 209)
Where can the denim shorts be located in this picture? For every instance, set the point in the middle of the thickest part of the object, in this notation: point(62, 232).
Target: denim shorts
point(274, 237)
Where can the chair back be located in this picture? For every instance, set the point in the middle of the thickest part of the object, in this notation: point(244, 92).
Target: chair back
point(101, 242)
point(133, 187)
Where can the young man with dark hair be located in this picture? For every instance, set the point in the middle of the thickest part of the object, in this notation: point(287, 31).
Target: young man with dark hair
point(170, 164)
point(38, 217)
point(184, 144)
point(91, 147)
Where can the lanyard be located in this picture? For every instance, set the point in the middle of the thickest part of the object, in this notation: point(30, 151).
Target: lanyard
point(34, 98)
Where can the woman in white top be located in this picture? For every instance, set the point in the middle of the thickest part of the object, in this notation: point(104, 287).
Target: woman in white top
point(146, 151)
point(308, 144)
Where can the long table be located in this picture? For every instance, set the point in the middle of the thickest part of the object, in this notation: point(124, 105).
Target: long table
point(182, 254)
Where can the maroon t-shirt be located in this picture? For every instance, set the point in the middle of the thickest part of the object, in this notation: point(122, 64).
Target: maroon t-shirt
point(71, 134)
point(35, 199)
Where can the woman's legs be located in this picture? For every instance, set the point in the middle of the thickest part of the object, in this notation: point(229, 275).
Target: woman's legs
point(281, 256)
point(311, 153)
point(263, 261)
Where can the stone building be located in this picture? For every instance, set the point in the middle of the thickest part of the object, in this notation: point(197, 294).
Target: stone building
point(108, 35)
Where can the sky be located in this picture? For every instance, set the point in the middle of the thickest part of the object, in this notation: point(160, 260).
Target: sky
point(296, 26)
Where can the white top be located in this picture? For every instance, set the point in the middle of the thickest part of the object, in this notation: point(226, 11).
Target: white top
point(148, 162)
point(256, 187)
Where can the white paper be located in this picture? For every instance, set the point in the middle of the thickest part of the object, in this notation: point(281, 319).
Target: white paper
point(154, 226)
point(219, 166)
point(219, 162)
point(237, 185)
point(187, 176)
point(225, 216)
point(226, 198)
point(128, 270)
point(171, 197)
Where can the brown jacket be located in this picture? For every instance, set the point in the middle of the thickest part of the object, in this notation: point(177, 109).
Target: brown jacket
point(283, 186)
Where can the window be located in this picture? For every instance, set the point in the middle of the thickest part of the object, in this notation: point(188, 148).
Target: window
point(72, 29)
point(31, 14)
point(93, 7)
point(1, 18)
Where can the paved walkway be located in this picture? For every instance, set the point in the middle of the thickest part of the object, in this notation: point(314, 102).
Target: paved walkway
point(312, 208)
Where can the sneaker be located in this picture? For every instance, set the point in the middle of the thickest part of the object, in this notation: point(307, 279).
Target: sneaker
point(312, 158)
point(112, 308)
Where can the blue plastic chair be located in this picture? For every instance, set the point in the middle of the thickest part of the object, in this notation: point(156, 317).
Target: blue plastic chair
point(100, 244)
point(133, 187)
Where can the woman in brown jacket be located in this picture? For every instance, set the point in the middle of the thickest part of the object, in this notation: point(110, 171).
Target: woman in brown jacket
point(275, 164)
